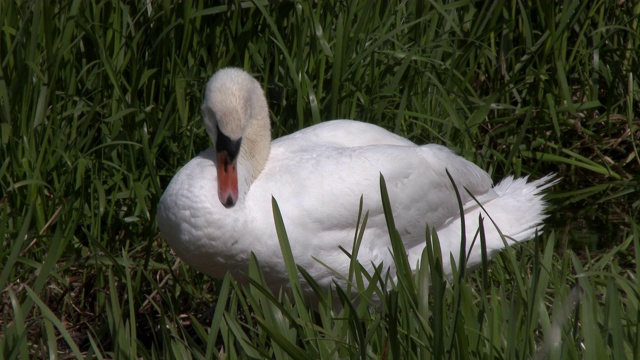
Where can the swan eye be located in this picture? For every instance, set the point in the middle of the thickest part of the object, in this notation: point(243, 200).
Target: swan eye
point(210, 119)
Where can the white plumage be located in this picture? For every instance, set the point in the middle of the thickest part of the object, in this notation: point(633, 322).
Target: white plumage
point(318, 175)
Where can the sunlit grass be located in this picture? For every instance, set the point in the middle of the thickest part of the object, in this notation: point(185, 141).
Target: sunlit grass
point(99, 107)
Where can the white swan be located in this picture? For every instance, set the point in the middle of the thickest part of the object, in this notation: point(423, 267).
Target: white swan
point(217, 209)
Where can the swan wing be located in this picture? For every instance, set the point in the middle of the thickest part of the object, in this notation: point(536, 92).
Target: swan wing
point(340, 133)
point(319, 190)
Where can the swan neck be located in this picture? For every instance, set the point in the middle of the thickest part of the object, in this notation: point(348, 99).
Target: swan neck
point(256, 142)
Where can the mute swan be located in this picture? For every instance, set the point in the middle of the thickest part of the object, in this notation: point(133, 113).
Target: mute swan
point(217, 208)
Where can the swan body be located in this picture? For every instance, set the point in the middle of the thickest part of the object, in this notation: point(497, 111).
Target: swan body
point(217, 209)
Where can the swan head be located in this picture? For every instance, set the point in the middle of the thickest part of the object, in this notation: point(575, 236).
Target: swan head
point(234, 106)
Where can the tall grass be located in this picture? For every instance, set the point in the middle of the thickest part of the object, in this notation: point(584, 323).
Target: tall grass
point(99, 108)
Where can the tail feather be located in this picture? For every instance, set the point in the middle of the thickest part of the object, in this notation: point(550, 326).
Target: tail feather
point(512, 212)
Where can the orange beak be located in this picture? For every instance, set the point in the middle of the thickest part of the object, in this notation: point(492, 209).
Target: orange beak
point(227, 180)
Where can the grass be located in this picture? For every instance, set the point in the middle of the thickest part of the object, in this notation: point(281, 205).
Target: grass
point(99, 108)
